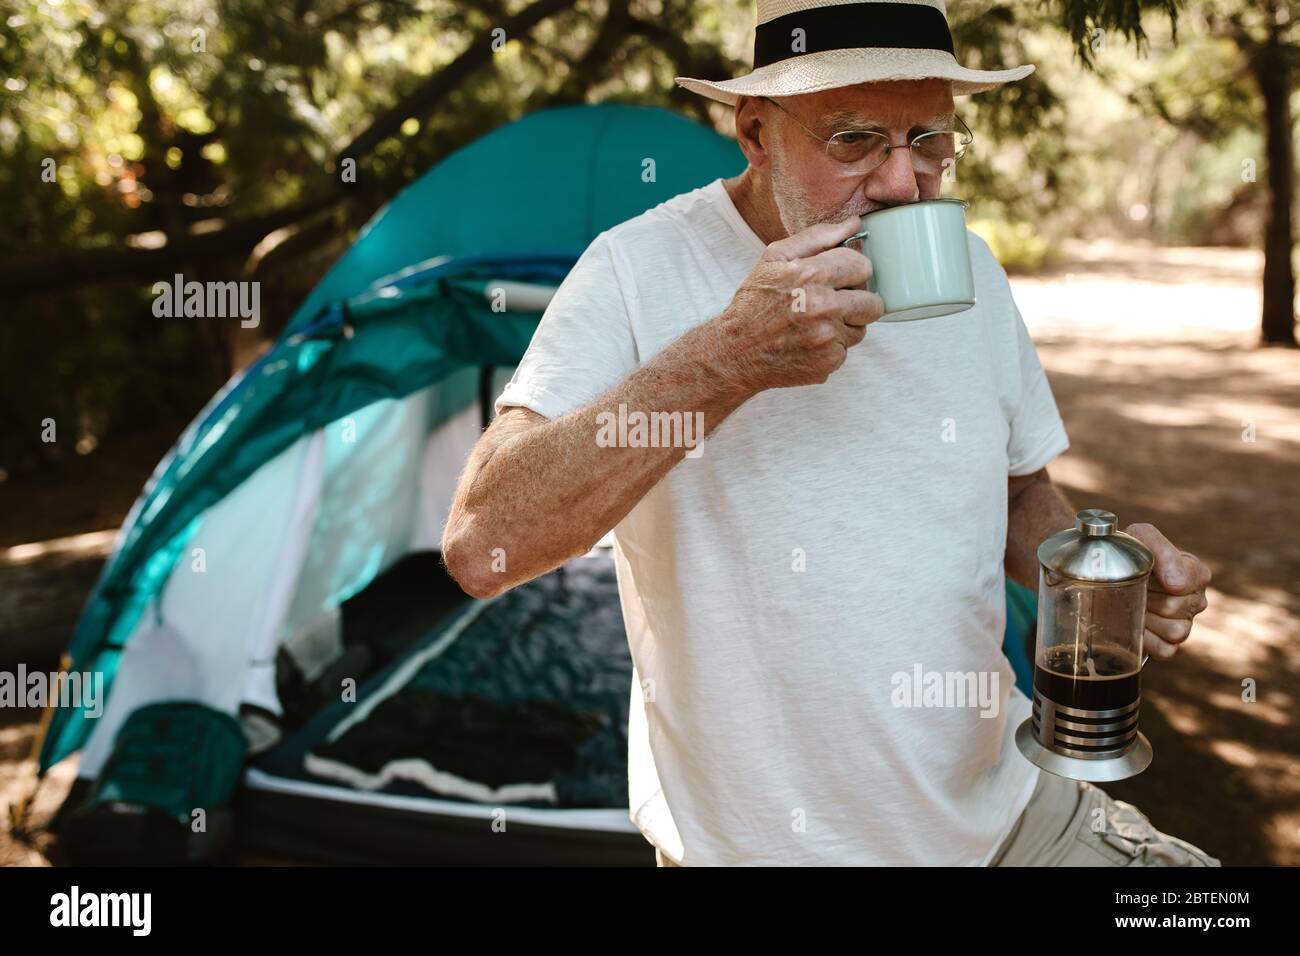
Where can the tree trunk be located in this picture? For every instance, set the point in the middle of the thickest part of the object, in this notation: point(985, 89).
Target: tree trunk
point(1274, 79)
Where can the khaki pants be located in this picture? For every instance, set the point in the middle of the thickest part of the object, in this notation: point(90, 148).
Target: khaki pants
point(1061, 826)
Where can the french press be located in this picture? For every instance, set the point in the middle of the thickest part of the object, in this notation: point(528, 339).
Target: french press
point(1092, 597)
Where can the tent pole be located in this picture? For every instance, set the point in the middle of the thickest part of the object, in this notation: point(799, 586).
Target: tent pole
point(19, 810)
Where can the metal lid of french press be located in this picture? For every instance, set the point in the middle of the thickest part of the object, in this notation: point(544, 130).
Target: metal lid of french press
point(1095, 551)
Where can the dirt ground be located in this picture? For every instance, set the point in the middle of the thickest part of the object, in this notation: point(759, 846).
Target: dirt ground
point(1174, 416)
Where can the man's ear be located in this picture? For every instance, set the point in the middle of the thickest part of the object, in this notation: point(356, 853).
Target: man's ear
point(751, 123)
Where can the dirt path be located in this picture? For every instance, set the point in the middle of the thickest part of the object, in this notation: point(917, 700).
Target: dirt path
point(1174, 418)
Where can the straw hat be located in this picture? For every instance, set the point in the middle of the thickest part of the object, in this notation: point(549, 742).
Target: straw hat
point(803, 46)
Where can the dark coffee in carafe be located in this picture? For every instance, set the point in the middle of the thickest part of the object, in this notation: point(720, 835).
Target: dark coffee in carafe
point(1108, 678)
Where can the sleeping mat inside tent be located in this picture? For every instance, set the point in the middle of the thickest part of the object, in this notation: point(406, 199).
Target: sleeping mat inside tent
point(522, 700)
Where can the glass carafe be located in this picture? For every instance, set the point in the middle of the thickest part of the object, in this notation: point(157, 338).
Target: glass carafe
point(1092, 589)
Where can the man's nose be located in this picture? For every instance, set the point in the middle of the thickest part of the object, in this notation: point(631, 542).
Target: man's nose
point(894, 180)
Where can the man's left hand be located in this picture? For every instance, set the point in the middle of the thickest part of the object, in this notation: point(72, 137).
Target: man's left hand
point(1175, 593)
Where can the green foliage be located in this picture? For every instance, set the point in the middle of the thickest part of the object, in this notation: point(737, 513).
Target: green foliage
point(1012, 169)
point(1213, 178)
point(178, 117)
point(181, 116)
point(1087, 22)
point(1017, 245)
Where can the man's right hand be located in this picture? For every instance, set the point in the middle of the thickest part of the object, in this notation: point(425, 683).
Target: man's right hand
point(799, 311)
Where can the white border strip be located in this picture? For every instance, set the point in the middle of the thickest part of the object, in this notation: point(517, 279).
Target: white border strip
point(428, 776)
point(608, 821)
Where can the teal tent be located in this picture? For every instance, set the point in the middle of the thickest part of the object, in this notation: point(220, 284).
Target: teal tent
point(287, 544)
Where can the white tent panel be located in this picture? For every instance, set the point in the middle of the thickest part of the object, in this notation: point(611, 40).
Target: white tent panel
point(445, 454)
point(194, 642)
point(259, 681)
point(368, 504)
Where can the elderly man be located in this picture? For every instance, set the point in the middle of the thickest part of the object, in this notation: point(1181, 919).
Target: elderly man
point(862, 491)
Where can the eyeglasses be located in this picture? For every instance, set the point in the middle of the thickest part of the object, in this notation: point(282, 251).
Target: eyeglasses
point(864, 150)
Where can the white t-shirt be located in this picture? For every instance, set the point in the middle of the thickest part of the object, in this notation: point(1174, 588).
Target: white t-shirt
point(832, 548)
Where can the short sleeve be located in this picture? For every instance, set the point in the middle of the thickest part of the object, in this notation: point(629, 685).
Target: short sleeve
point(583, 345)
point(1037, 433)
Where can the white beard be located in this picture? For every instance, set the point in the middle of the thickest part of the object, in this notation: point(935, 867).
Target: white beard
point(796, 209)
